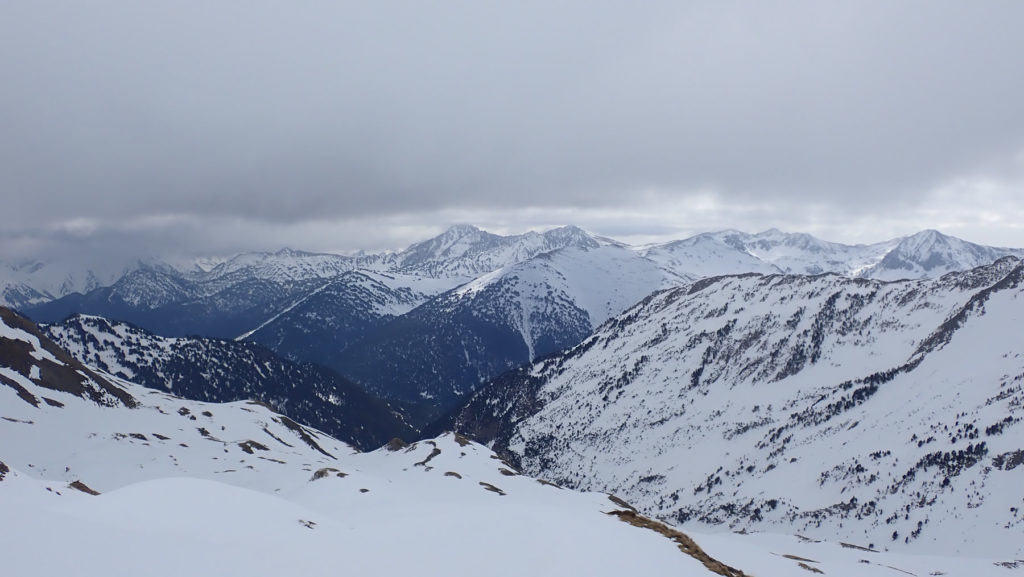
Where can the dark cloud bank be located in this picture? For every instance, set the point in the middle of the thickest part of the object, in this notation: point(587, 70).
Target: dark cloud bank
point(217, 126)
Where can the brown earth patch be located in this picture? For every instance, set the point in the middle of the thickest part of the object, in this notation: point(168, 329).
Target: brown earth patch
point(621, 503)
point(250, 445)
point(685, 543)
point(83, 488)
point(326, 472)
point(492, 488)
point(452, 474)
point(435, 452)
point(302, 433)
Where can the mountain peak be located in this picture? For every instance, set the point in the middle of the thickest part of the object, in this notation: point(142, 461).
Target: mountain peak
point(461, 230)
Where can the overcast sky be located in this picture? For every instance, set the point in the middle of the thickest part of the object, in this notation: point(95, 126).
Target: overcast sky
point(131, 128)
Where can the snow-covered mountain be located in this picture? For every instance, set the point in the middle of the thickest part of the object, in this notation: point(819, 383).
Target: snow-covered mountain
point(930, 253)
point(99, 476)
point(709, 254)
point(453, 343)
point(221, 371)
point(872, 412)
point(467, 252)
point(801, 253)
point(24, 284)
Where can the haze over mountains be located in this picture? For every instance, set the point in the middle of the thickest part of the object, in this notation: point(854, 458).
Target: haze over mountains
point(429, 324)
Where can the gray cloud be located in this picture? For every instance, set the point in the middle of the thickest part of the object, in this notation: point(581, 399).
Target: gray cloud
point(267, 119)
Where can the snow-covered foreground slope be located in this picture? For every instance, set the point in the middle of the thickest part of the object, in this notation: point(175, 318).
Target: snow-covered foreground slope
point(882, 413)
point(192, 488)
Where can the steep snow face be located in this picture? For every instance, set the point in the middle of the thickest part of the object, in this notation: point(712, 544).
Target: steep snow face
point(711, 254)
point(467, 252)
point(283, 266)
point(800, 253)
point(886, 413)
point(219, 371)
point(931, 254)
point(29, 283)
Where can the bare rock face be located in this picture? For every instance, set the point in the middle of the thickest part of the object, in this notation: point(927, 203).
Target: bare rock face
point(30, 355)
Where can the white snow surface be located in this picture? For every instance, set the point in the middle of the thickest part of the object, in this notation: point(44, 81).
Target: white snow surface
point(191, 488)
point(831, 407)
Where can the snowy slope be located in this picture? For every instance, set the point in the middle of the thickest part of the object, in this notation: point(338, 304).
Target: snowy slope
point(884, 413)
point(930, 253)
point(138, 482)
point(709, 254)
point(466, 252)
point(801, 253)
point(158, 485)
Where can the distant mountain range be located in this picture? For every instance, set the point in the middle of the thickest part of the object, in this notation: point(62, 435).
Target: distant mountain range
point(431, 323)
point(769, 382)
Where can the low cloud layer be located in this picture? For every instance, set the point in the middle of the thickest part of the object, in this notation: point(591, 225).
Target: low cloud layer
point(213, 127)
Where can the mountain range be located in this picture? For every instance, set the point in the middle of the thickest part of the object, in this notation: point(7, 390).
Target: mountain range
point(429, 324)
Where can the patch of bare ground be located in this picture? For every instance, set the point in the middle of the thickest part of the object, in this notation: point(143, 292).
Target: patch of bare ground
point(548, 483)
point(795, 558)
point(326, 472)
point(364, 490)
point(161, 437)
point(3, 470)
point(1019, 563)
point(898, 569)
point(396, 444)
point(857, 547)
point(435, 452)
point(250, 445)
point(461, 440)
point(275, 437)
point(492, 488)
point(302, 433)
point(503, 461)
point(621, 503)
point(307, 524)
point(507, 472)
point(83, 488)
point(262, 404)
point(446, 474)
point(685, 543)
point(809, 568)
